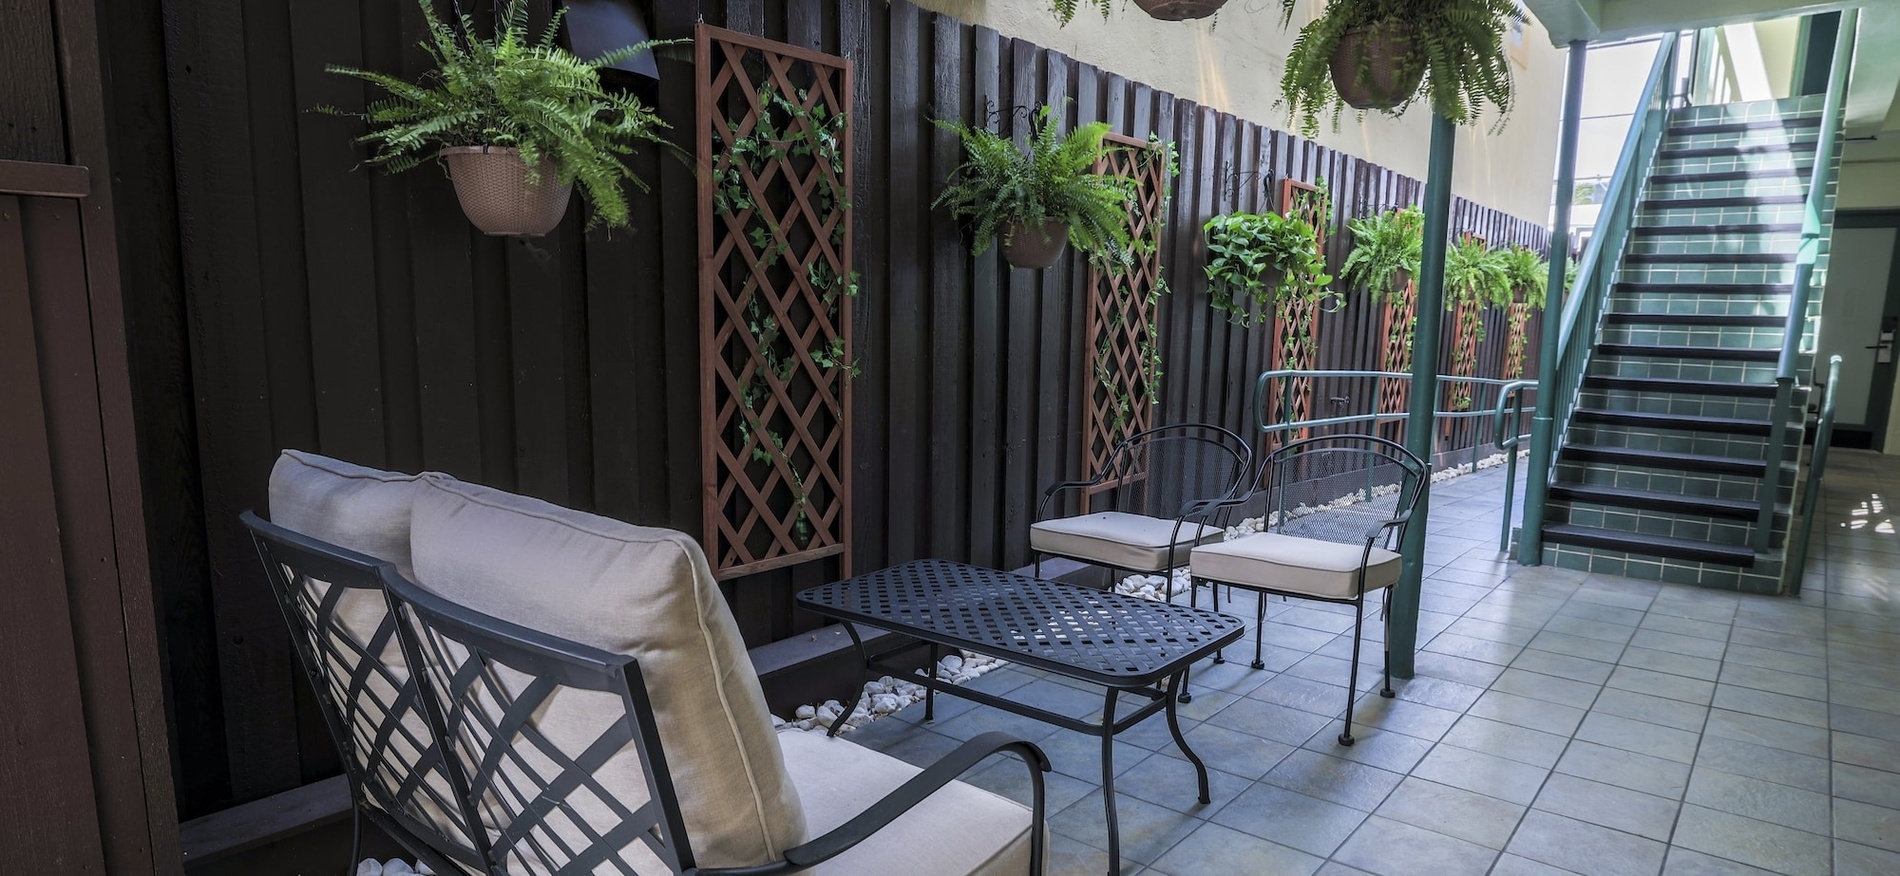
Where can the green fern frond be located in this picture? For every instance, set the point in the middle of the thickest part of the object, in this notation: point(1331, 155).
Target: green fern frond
point(999, 184)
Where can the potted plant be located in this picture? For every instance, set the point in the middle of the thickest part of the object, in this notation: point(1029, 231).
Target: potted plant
point(1041, 199)
point(1476, 275)
point(1163, 10)
point(518, 120)
point(1384, 54)
point(1528, 274)
point(1257, 259)
point(1386, 251)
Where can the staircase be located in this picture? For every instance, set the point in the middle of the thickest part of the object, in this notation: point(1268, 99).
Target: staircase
point(1665, 459)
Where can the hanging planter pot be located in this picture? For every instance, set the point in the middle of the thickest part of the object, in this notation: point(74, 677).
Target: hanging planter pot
point(1179, 10)
point(1035, 245)
point(493, 184)
point(1385, 50)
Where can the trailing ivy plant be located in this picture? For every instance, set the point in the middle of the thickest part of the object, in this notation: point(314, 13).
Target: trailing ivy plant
point(1148, 351)
point(785, 129)
point(1385, 245)
point(999, 185)
point(1460, 44)
point(1256, 260)
point(516, 90)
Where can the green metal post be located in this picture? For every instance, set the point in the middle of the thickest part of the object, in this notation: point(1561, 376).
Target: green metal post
point(1530, 539)
point(1419, 423)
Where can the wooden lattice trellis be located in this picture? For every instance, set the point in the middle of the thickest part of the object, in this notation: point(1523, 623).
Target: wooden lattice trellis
point(775, 279)
point(1397, 324)
point(1296, 321)
point(1467, 333)
point(1124, 341)
point(1514, 350)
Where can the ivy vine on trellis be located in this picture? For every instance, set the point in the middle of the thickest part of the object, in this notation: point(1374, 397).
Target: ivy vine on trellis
point(775, 236)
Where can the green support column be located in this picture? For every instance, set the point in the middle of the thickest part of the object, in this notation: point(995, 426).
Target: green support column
point(1419, 423)
point(1530, 538)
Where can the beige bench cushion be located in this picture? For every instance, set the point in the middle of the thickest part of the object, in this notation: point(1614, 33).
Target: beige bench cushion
point(642, 592)
point(1295, 565)
point(960, 829)
point(1135, 542)
point(365, 510)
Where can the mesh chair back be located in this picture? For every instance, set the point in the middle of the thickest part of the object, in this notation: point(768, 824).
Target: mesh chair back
point(539, 731)
point(346, 639)
point(1172, 471)
point(1341, 488)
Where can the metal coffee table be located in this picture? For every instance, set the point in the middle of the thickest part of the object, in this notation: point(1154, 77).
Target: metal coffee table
point(1126, 644)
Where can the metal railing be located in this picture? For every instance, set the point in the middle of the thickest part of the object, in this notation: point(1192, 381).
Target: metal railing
point(1796, 562)
point(1580, 324)
point(1483, 390)
point(1811, 231)
point(1511, 398)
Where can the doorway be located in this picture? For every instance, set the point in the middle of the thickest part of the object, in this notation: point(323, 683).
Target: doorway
point(1860, 316)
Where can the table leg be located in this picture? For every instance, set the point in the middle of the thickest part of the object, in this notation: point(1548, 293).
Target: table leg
point(1108, 781)
point(930, 693)
point(1174, 727)
point(864, 669)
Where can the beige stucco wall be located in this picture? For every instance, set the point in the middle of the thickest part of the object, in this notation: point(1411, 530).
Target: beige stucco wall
point(1233, 62)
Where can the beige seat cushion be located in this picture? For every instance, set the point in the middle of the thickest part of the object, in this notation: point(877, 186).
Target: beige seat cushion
point(642, 592)
point(365, 510)
point(1135, 542)
point(1295, 565)
point(959, 829)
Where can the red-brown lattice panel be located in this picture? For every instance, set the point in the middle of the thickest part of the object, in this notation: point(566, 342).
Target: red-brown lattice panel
point(1123, 338)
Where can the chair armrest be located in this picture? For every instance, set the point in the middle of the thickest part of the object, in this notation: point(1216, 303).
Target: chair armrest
point(921, 786)
point(1059, 486)
point(1373, 533)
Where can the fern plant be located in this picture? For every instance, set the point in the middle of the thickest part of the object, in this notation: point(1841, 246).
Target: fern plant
point(1459, 43)
point(1476, 275)
point(1528, 273)
point(514, 90)
point(1385, 246)
point(1000, 187)
point(1065, 9)
point(1257, 259)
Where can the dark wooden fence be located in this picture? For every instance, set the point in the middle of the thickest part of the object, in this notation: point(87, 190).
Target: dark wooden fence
point(301, 301)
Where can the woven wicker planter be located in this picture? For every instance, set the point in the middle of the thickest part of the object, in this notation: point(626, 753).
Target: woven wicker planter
point(1392, 76)
point(1035, 245)
point(1180, 10)
point(492, 184)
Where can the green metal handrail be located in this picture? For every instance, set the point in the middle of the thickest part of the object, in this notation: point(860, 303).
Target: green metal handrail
point(1797, 560)
point(1811, 230)
point(1511, 398)
point(1580, 325)
point(1481, 391)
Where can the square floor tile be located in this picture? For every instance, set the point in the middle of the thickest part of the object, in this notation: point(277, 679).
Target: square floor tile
point(1455, 812)
point(1488, 774)
point(1334, 779)
point(1761, 800)
point(1393, 848)
point(1290, 818)
point(1638, 772)
point(1641, 737)
point(1756, 843)
point(1583, 847)
point(1609, 806)
point(1212, 848)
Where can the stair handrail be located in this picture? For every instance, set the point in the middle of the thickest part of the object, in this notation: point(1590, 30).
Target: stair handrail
point(1580, 323)
point(1797, 560)
point(1510, 411)
point(1814, 206)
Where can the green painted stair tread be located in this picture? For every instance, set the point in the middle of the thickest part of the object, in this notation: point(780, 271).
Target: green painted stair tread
point(1662, 459)
point(1691, 129)
point(1727, 320)
point(1660, 351)
point(1678, 422)
point(1708, 288)
point(1734, 151)
point(1651, 545)
point(1715, 176)
point(1736, 229)
point(1711, 258)
point(1660, 204)
point(1675, 385)
point(1652, 500)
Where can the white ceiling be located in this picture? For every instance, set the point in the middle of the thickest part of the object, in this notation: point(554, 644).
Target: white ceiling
point(1873, 95)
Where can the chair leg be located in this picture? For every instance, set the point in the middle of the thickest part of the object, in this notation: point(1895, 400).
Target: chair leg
point(1038, 564)
point(356, 839)
point(1220, 656)
point(1259, 621)
point(1385, 690)
point(1352, 685)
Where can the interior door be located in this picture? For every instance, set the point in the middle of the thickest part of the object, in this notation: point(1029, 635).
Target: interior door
point(1859, 320)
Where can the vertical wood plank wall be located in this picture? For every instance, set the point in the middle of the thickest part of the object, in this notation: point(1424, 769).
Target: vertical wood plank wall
point(305, 302)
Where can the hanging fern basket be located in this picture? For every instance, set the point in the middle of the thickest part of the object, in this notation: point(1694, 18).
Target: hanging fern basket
point(1179, 10)
point(1384, 51)
point(1035, 245)
point(498, 195)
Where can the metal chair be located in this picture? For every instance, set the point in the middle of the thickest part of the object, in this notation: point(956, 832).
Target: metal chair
point(1336, 512)
point(333, 601)
point(1167, 489)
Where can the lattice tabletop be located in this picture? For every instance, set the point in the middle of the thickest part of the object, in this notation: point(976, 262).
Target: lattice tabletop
point(1104, 638)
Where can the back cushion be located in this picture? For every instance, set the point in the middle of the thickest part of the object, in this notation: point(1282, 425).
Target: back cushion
point(646, 593)
point(350, 506)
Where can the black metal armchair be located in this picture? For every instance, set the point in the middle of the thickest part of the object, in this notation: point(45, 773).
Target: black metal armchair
point(1336, 512)
point(1166, 490)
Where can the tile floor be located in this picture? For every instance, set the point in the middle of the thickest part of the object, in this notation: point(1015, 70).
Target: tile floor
point(1558, 722)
